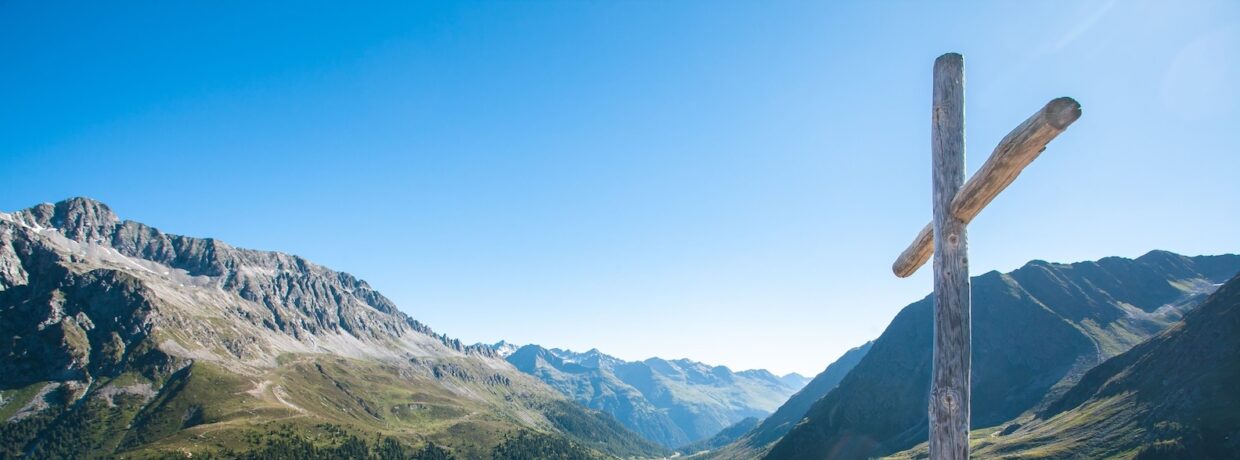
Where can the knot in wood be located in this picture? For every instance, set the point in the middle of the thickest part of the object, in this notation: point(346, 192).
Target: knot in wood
point(953, 239)
point(948, 399)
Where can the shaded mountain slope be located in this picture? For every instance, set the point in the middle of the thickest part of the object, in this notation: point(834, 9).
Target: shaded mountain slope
point(1176, 395)
point(722, 438)
point(1035, 332)
point(119, 338)
point(753, 443)
point(673, 402)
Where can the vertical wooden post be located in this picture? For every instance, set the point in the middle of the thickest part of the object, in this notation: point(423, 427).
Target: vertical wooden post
point(949, 390)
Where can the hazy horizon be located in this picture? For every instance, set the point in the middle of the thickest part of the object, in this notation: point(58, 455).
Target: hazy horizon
point(726, 182)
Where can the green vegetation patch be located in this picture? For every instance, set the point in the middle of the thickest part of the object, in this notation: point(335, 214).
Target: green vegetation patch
point(15, 399)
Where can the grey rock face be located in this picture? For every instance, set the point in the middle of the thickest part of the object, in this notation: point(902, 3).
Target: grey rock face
point(84, 294)
point(299, 298)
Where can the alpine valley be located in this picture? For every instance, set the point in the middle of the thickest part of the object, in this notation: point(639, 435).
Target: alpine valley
point(122, 341)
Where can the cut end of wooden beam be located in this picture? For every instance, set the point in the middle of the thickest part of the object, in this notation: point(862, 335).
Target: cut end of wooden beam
point(901, 270)
point(950, 57)
point(917, 253)
point(950, 62)
point(904, 270)
point(1062, 112)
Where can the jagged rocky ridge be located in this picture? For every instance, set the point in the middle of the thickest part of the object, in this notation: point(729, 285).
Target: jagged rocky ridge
point(299, 298)
point(1036, 331)
point(158, 338)
point(672, 402)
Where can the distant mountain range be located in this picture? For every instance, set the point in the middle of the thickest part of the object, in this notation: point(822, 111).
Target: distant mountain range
point(1036, 332)
point(117, 339)
point(120, 339)
point(672, 402)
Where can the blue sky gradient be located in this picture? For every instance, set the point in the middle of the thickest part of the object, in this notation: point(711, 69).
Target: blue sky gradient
point(723, 181)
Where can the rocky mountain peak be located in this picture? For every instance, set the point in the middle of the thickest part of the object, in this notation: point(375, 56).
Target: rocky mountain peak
point(80, 218)
point(288, 302)
point(501, 348)
point(119, 336)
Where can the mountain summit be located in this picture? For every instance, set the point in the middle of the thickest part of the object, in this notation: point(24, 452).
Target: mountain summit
point(127, 339)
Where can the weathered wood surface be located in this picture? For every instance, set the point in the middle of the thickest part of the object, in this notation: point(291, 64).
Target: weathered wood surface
point(949, 389)
point(1019, 148)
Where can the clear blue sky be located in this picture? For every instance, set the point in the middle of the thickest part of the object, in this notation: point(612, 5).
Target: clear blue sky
point(723, 181)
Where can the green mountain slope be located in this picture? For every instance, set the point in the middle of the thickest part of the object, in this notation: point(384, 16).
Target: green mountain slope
point(1035, 333)
point(1176, 395)
point(121, 339)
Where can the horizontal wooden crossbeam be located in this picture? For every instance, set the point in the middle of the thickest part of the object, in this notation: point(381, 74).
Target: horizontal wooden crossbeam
point(1019, 148)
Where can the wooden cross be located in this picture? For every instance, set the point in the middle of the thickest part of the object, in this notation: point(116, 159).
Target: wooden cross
point(956, 203)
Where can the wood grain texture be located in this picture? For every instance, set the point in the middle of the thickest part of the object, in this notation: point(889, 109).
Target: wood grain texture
point(1016, 151)
point(949, 388)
